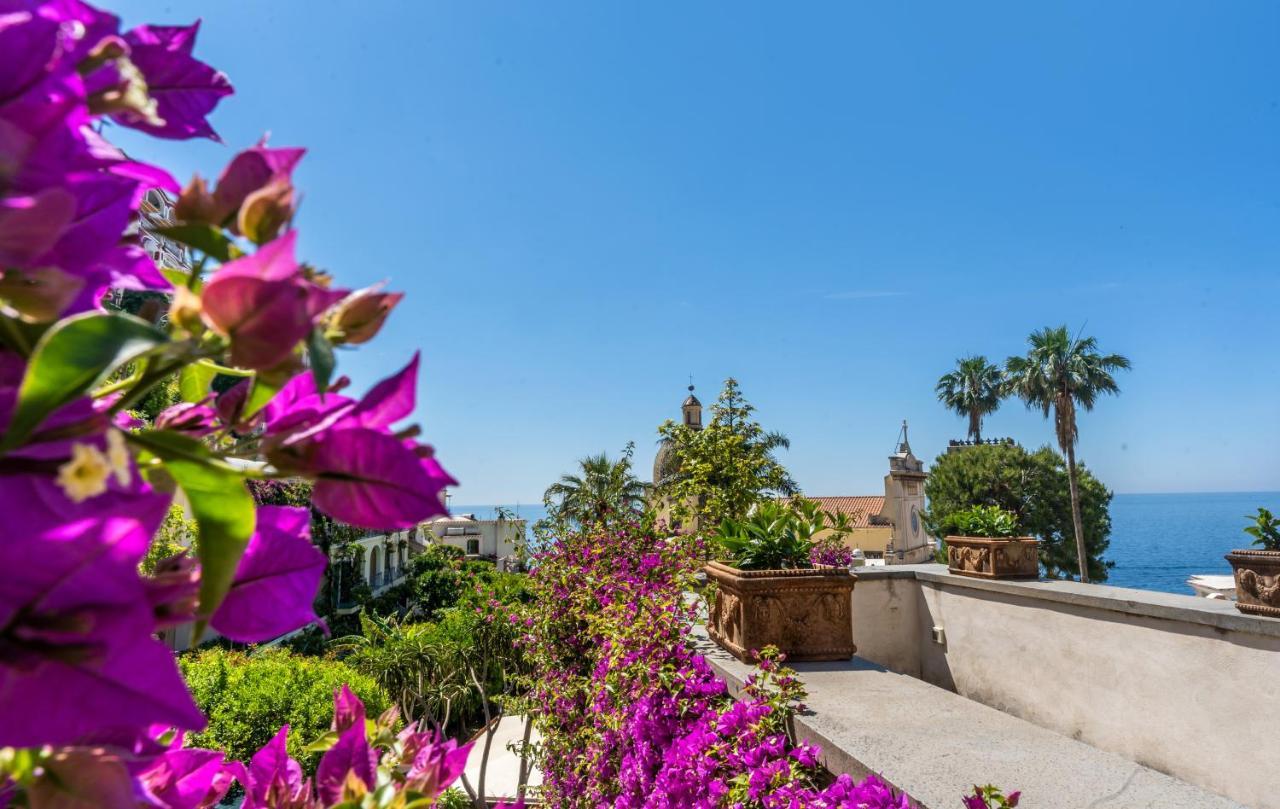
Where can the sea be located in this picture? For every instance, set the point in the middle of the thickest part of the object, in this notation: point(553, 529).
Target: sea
point(1158, 541)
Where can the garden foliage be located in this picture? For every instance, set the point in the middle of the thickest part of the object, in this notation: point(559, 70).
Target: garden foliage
point(1034, 487)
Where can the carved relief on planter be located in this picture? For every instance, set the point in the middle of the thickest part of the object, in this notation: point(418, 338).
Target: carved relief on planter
point(999, 558)
point(805, 613)
point(1257, 581)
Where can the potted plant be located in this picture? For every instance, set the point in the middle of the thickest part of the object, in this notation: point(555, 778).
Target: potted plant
point(1257, 572)
point(769, 590)
point(985, 544)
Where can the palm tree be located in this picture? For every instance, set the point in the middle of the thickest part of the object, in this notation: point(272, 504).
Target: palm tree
point(973, 390)
point(603, 487)
point(1059, 374)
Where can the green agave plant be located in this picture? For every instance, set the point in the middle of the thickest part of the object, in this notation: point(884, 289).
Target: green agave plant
point(1265, 530)
point(776, 535)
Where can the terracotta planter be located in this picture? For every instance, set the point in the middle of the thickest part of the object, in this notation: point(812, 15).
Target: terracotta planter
point(994, 558)
point(805, 613)
point(1257, 581)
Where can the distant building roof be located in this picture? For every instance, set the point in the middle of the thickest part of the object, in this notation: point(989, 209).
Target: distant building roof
point(864, 512)
point(691, 401)
point(465, 517)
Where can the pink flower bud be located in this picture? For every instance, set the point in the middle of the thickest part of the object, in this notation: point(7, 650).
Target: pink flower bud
point(359, 316)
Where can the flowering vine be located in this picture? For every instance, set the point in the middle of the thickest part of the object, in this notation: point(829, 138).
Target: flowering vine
point(631, 716)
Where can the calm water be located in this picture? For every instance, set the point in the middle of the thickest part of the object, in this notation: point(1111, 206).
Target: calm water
point(1157, 540)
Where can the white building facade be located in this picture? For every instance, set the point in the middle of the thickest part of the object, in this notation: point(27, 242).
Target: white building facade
point(499, 540)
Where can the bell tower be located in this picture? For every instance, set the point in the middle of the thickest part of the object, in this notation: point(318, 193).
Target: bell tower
point(692, 411)
point(904, 504)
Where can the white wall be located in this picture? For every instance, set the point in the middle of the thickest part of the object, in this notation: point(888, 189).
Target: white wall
point(494, 538)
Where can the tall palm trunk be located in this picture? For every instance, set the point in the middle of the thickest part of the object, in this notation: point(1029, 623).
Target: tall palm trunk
point(975, 426)
point(1076, 519)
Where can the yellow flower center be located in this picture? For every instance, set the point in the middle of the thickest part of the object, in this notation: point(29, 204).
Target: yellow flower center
point(85, 475)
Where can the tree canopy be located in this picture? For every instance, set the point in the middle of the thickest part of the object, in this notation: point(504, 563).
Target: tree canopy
point(1032, 485)
point(1059, 373)
point(724, 468)
point(972, 390)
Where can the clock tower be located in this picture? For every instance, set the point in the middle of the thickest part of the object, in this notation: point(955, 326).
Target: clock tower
point(904, 505)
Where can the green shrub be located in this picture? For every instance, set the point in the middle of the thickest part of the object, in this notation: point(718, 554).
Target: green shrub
point(436, 589)
point(1035, 487)
point(248, 696)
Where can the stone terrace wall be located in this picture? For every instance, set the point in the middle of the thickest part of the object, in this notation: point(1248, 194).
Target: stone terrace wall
point(1184, 685)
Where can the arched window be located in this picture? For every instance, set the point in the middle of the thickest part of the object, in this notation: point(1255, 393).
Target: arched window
point(373, 567)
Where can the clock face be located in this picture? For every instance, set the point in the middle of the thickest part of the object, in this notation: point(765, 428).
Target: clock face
point(915, 520)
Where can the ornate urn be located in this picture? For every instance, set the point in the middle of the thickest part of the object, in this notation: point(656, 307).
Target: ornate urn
point(994, 557)
point(806, 612)
point(1257, 581)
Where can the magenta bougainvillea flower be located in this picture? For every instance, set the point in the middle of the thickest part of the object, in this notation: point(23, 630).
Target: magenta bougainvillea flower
point(264, 304)
point(273, 780)
point(368, 478)
point(252, 170)
point(76, 631)
point(84, 681)
point(348, 710)
point(185, 90)
point(192, 418)
point(277, 579)
point(434, 762)
point(365, 474)
point(350, 755)
point(182, 778)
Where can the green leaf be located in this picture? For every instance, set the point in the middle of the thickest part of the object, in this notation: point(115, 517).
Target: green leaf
point(323, 743)
point(195, 379)
point(220, 502)
point(262, 390)
point(205, 238)
point(72, 357)
point(320, 353)
point(182, 278)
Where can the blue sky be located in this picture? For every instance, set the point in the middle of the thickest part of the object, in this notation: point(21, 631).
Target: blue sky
point(588, 202)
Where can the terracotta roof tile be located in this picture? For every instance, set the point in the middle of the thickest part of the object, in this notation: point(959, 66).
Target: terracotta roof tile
point(863, 511)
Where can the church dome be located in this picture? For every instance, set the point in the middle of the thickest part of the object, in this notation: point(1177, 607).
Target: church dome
point(664, 462)
point(692, 401)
